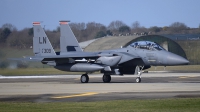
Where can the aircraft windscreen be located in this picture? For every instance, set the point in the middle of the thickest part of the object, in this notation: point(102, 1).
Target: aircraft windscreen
point(147, 45)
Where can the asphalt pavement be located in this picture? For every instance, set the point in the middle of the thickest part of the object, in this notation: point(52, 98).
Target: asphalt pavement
point(63, 88)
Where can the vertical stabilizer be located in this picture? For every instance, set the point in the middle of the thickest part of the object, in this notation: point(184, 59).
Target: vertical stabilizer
point(41, 43)
point(68, 42)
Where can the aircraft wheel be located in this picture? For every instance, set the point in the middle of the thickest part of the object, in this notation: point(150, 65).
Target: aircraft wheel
point(84, 78)
point(138, 80)
point(106, 78)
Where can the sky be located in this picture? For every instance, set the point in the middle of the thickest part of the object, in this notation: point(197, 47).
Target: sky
point(21, 13)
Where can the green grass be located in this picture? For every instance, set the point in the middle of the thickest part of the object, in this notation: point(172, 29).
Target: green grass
point(15, 53)
point(34, 71)
point(155, 105)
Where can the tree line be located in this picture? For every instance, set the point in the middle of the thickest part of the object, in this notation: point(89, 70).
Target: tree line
point(11, 37)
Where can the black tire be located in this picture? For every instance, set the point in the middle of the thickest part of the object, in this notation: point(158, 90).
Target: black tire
point(106, 78)
point(138, 80)
point(84, 78)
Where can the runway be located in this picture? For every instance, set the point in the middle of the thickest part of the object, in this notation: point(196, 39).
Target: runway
point(62, 88)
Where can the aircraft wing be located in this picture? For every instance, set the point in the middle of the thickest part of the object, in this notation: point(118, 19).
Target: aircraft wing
point(94, 55)
point(41, 58)
point(76, 55)
point(87, 55)
point(91, 55)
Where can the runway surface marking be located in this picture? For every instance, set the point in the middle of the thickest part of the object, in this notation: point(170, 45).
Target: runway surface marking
point(27, 77)
point(77, 77)
point(76, 95)
point(182, 77)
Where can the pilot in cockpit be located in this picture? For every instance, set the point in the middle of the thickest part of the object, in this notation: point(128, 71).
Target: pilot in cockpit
point(147, 45)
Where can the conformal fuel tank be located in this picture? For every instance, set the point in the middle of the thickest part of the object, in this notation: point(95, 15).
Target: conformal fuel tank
point(80, 67)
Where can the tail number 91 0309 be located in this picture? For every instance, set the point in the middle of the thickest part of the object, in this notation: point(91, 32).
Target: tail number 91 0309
point(46, 50)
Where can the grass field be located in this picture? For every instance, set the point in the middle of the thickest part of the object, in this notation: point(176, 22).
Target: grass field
point(34, 71)
point(155, 105)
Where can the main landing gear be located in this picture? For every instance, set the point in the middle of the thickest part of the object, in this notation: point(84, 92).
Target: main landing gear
point(106, 78)
point(84, 78)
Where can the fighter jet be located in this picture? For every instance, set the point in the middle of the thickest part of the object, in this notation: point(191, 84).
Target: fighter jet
point(132, 59)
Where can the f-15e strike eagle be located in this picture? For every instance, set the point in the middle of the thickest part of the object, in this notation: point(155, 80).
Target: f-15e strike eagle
point(132, 59)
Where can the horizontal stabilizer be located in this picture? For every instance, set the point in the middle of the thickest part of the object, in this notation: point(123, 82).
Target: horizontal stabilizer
point(27, 59)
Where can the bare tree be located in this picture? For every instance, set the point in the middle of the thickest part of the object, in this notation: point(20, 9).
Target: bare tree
point(78, 26)
point(136, 28)
point(177, 27)
point(124, 29)
point(93, 28)
point(4, 35)
point(87, 31)
point(115, 25)
point(54, 38)
point(155, 29)
point(136, 25)
point(20, 39)
point(9, 26)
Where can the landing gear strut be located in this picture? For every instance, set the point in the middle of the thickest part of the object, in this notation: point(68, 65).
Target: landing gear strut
point(84, 78)
point(106, 78)
point(138, 71)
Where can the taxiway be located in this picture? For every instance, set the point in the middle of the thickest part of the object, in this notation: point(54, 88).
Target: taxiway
point(56, 88)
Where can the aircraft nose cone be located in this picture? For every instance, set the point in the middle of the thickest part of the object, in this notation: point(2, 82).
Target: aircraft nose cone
point(174, 59)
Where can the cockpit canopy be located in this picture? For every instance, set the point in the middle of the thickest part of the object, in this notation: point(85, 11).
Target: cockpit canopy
point(147, 45)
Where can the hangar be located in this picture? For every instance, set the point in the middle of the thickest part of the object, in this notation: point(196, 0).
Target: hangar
point(115, 42)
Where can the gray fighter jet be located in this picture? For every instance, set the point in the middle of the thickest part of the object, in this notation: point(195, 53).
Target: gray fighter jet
point(133, 59)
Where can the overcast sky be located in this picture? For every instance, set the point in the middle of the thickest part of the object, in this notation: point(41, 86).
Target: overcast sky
point(21, 13)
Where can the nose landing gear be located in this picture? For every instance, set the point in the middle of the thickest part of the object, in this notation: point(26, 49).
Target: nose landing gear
point(138, 71)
